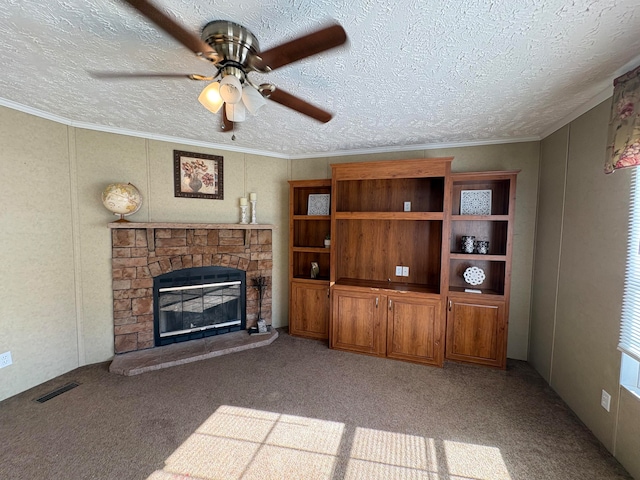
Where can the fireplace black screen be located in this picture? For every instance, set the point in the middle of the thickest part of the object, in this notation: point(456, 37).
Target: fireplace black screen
point(198, 302)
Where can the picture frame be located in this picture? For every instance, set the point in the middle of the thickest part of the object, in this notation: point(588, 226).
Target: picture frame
point(198, 175)
point(318, 204)
point(475, 202)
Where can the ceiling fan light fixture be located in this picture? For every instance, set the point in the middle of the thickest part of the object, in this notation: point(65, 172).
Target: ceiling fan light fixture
point(236, 112)
point(252, 99)
point(210, 97)
point(231, 89)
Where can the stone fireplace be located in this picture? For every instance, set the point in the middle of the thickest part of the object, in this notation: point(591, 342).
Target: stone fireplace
point(144, 251)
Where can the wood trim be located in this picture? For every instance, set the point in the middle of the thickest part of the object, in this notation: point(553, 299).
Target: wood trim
point(413, 216)
point(201, 226)
point(480, 218)
point(425, 167)
point(492, 175)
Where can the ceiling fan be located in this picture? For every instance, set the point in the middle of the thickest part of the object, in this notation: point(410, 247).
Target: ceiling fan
point(235, 52)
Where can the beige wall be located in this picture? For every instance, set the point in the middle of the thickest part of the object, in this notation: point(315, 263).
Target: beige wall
point(56, 299)
point(579, 279)
point(512, 156)
point(37, 287)
point(547, 249)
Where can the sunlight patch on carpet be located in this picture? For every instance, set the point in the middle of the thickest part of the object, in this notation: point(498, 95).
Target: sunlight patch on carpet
point(391, 455)
point(242, 443)
point(466, 460)
point(245, 444)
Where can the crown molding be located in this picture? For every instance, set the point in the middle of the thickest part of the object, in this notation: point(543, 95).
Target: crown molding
point(133, 133)
point(584, 108)
point(413, 148)
point(605, 90)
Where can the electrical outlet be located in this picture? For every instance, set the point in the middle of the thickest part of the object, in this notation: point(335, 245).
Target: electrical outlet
point(407, 206)
point(398, 271)
point(5, 359)
point(405, 271)
point(605, 400)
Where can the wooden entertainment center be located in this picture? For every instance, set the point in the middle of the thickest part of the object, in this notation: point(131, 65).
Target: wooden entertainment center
point(392, 283)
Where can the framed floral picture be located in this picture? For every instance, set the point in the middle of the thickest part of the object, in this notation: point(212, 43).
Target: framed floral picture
point(198, 175)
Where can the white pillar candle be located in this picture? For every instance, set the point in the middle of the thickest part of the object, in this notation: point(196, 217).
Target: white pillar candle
point(243, 201)
point(252, 196)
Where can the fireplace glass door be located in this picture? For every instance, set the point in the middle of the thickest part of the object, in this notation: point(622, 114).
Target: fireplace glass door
point(199, 307)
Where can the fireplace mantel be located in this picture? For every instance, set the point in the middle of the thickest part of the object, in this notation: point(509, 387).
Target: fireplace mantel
point(204, 226)
point(145, 250)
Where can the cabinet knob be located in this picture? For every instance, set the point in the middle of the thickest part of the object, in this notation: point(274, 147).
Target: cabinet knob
point(449, 305)
point(390, 302)
point(376, 302)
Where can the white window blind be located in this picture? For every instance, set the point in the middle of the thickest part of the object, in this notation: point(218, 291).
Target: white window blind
point(630, 324)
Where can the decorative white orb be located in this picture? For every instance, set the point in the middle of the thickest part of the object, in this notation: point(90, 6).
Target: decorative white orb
point(474, 275)
point(122, 199)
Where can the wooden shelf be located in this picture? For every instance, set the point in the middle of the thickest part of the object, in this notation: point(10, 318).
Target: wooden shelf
point(395, 286)
point(479, 218)
point(312, 217)
point(321, 250)
point(478, 257)
point(485, 292)
point(191, 226)
point(413, 216)
point(321, 279)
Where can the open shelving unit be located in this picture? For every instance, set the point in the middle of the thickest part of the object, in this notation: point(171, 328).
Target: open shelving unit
point(385, 216)
point(308, 297)
point(477, 322)
point(392, 283)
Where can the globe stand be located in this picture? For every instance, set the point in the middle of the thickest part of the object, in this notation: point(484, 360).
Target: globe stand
point(121, 219)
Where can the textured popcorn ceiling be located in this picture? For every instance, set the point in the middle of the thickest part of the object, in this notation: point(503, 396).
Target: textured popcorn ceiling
point(415, 72)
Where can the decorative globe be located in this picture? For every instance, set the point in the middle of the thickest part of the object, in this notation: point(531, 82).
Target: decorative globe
point(122, 199)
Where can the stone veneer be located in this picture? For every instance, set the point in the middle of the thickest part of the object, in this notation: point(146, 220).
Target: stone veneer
point(142, 251)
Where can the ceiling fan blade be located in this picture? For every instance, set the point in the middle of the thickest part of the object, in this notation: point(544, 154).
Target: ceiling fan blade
point(173, 28)
point(134, 75)
point(291, 101)
point(226, 125)
point(299, 48)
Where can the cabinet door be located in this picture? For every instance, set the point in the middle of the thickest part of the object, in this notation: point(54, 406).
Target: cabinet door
point(414, 330)
point(356, 322)
point(476, 331)
point(309, 310)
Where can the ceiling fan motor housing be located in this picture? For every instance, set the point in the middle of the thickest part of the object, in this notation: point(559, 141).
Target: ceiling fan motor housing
point(232, 42)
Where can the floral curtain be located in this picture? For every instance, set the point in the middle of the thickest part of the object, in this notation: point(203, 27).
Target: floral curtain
point(623, 147)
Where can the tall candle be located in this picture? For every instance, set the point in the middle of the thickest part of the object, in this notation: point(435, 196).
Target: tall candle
point(252, 196)
point(243, 201)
